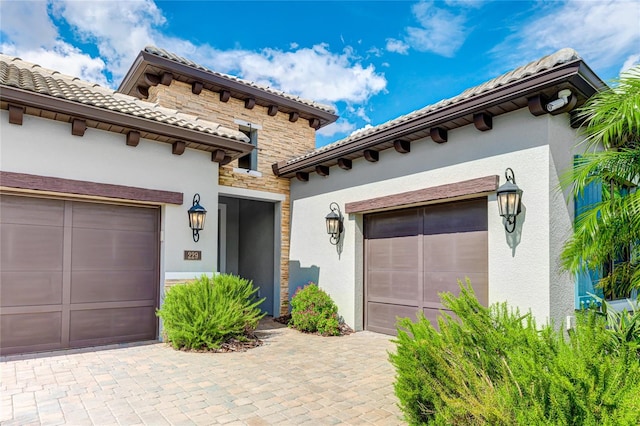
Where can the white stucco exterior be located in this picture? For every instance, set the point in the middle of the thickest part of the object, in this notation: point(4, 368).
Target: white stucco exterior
point(46, 148)
point(523, 266)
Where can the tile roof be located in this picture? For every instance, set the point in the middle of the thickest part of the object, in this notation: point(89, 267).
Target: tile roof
point(560, 57)
point(14, 72)
point(184, 61)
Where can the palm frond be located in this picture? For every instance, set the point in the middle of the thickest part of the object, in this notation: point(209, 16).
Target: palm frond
point(612, 117)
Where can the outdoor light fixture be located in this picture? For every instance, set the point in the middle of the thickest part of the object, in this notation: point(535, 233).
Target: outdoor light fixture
point(509, 196)
point(334, 223)
point(197, 214)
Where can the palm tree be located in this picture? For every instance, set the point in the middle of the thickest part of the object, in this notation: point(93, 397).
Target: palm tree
point(607, 232)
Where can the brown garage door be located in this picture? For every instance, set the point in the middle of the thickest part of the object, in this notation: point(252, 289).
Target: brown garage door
point(411, 255)
point(76, 274)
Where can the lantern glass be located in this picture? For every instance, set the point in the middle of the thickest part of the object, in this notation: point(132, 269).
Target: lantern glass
point(509, 200)
point(333, 223)
point(196, 219)
point(197, 214)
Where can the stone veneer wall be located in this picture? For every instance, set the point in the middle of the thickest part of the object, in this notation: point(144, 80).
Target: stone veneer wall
point(278, 140)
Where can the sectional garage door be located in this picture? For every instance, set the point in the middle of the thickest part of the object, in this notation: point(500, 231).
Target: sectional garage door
point(411, 255)
point(76, 274)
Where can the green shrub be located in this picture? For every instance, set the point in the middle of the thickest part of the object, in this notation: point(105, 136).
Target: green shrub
point(494, 366)
point(313, 310)
point(209, 312)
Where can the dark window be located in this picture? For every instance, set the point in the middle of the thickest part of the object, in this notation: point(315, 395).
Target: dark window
point(250, 161)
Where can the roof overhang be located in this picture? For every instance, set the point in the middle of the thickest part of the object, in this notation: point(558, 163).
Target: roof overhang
point(149, 129)
point(575, 75)
point(149, 64)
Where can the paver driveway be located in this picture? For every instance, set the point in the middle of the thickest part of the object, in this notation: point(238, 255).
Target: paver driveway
point(292, 379)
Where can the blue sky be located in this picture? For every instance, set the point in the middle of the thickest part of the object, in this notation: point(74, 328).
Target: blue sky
point(371, 60)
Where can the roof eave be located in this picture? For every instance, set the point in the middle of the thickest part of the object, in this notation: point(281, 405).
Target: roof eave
point(146, 59)
point(576, 73)
point(232, 147)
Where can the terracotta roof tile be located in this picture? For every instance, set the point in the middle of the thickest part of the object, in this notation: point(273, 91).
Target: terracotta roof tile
point(172, 56)
point(14, 72)
point(558, 58)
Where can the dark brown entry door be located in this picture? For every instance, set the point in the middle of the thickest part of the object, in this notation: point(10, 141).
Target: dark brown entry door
point(76, 274)
point(411, 255)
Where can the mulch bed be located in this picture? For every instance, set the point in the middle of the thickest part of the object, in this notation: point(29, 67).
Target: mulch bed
point(284, 319)
point(232, 345)
point(235, 345)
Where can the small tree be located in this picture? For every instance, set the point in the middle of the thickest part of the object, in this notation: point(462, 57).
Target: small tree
point(607, 232)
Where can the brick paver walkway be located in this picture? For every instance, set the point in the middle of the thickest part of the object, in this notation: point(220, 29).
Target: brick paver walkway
point(293, 379)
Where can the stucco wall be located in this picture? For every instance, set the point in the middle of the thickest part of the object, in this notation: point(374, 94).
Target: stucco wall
point(519, 263)
point(45, 147)
point(562, 149)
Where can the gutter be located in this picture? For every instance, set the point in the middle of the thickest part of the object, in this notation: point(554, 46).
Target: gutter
point(22, 97)
point(575, 72)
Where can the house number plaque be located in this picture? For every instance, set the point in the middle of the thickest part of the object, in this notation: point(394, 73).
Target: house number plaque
point(192, 255)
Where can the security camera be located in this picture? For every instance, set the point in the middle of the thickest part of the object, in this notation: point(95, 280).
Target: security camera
point(563, 99)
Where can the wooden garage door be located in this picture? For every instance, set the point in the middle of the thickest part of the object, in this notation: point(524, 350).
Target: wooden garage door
point(76, 274)
point(411, 255)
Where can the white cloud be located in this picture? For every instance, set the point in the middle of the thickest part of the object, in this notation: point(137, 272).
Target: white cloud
point(631, 62)
point(64, 58)
point(313, 73)
point(397, 46)
point(27, 24)
point(375, 51)
point(361, 129)
point(440, 31)
point(602, 32)
point(338, 127)
point(465, 3)
point(358, 111)
point(120, 29)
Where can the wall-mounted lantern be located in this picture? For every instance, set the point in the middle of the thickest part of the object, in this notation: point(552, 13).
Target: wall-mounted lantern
point(197, 214)
point(334, 223)
point(509, 197)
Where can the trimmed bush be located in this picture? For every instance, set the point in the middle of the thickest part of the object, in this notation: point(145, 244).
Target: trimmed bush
point(210, 311)
point(494, 366)
point(313, 310)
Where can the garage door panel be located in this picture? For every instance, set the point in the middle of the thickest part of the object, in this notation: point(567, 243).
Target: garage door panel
point(112, 286)
point(112, 325)
point(105, 291)
point(382, 317)
point(29, 329)
point(26, 288)
point(97, 249)
point(452, 244)
point(403, 223)
point(455, 252)
point(438, 282)
point(462, 216)
point(398, 284)
point(31, 211)
point(394, 253)
point(29, 248)
point(113, 217)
